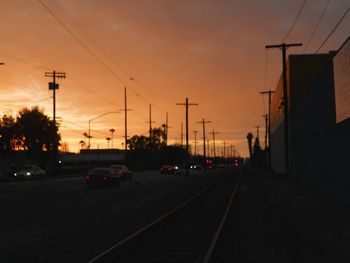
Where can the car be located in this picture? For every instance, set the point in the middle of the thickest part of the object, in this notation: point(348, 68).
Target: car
point(101, 177)
point(168, 169)
point(121, 171)
point(29, 172)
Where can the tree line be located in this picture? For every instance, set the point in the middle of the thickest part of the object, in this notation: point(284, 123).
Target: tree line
point(31, 131)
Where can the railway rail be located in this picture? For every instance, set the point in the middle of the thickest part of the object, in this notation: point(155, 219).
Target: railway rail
point(187, 233)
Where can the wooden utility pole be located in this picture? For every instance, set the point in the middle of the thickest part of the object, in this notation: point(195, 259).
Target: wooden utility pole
point(150, 123)
point(266, 129)
point(54, 86)
point(269, 93)
point(214, 133)
point(166, 128)
point(203, 122)
point(195, 142)
point(182, 135)
point(284, 48)
point(187, 147)
point(224, 155)
point(125, 119)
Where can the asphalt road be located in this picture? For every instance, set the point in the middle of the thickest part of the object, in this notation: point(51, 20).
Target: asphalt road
point(60, 220)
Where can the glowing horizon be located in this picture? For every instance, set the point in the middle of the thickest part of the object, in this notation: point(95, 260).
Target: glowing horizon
point(163, 51)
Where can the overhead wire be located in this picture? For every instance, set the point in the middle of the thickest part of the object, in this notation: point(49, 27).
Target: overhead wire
point(316, 26)
point(333, 30)
point(124, 71)
point(92, 53)
point(104, 65)
point(117, 65)
point(99, 60)
point(294, 22)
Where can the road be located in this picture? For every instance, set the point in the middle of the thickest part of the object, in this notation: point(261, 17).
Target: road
point(60, 220)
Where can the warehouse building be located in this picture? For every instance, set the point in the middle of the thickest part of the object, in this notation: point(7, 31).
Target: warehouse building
point(319, 124)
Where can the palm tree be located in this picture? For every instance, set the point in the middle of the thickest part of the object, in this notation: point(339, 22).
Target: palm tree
point(87, 136)
point(108, 139)
point(82, 144)
point(112, 131)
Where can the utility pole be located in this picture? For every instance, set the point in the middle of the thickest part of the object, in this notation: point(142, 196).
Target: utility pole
point(187, 148)
point(208, 148)
point(284, 48)
point(53, 86)
point(166, 128)
point(224, 149)
point(125, 120)
point(266, 128)
point(203, 122)
point(182, 135)
point(213, 133)
point(269, 93)
point(150, 123)
point(195, 142)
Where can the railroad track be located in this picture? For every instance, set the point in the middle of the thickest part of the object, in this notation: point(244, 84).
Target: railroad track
point(188, 233)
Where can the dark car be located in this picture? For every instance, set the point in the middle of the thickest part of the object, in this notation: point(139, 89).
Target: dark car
point(168, 169)
point(121, 171)
point(30, 172)
point(101, 177)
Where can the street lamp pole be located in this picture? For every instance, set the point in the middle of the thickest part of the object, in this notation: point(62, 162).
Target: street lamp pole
point(104, 114)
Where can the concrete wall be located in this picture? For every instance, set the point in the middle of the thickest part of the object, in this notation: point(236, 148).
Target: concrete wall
point(321, 146)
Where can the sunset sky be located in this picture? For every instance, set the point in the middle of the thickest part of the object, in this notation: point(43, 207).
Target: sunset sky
point(212, 52)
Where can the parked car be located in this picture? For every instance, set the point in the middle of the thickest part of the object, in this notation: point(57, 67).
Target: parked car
point(121, 171)
point(168, 169)
point(8, 174)
point(101, 177)
point(29, 172)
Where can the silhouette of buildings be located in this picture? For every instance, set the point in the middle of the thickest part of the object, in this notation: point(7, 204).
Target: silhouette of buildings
point(319, 111)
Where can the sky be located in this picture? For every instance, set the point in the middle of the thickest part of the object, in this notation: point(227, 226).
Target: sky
point(163, 51)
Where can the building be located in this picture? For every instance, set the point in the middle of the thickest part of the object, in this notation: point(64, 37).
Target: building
point(319, 99)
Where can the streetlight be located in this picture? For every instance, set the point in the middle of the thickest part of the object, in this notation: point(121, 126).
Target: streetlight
point(89, 137)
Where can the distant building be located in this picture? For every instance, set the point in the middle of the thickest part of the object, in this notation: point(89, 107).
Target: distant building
point(319, 99)
point(92, 158)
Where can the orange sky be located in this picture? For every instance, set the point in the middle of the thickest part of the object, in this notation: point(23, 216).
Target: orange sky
point(209, 51)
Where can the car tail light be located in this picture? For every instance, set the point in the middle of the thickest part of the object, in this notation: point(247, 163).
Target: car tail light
point(105, 178)
point(88, 177)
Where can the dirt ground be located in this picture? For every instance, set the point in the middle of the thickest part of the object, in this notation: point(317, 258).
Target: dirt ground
point(277, 219)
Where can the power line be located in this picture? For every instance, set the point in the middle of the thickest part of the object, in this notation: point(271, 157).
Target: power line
point(294, 22)
point(100, 61)
point(317, 25)
point(95, 93)
point(333, 30)
point(82, 43)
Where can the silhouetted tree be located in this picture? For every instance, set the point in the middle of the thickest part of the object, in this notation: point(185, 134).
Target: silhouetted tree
point(7, 135)
point(158, 138)
point(82, 144)
point(35, 132)
point(138, 142)
point(112, 131)
point(258, 158)
point(250, 144)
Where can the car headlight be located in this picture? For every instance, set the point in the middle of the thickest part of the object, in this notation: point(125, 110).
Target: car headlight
point(28, 173)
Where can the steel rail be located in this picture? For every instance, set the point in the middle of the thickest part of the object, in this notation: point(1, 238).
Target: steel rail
point(161, 218)
point(223, 220)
